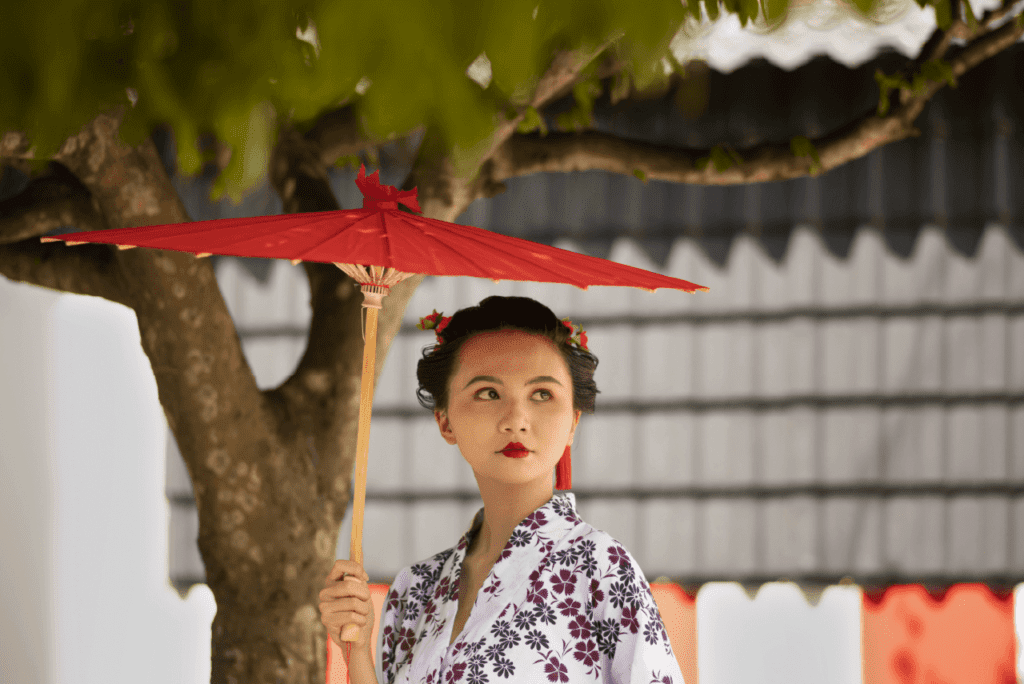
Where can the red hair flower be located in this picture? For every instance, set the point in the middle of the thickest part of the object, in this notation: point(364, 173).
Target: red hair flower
point(580, 338)
point(435, 322)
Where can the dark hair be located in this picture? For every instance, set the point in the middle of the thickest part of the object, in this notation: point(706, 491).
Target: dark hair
point(435, 369)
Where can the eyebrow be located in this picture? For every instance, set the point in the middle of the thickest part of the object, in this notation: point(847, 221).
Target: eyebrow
point(491, 378)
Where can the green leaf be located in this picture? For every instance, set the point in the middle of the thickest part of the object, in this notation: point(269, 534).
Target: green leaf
point(774, 10)
point(938, 71)
point(580, 117)
point(865, 6)
point(251, 136)
point(711, 7)
point(972, 22)
point(883, 97)
point(347, 161)
point(748, 11)
point(641, 175)
point(532, 121)
point(802, 147)
point(887, 82)
point(943, 13)
point(721, 158)
point(694, 7)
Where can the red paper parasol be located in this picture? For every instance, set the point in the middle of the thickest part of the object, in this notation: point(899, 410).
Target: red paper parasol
point(379, 246)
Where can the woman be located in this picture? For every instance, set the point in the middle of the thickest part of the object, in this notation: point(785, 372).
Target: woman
point(530, 593)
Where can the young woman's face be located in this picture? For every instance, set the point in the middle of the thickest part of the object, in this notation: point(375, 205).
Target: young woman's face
point(509, 386)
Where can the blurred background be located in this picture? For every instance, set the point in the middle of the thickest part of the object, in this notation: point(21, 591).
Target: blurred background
point(841, 413)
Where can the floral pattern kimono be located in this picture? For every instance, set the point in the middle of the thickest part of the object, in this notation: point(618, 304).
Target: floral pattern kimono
point(564, 602)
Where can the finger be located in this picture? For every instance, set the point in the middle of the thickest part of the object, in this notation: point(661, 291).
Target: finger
point(343, 605)
point(343, 566)
point(345, 590)
point(360, 586)
point(350, 586)
point(347, 617)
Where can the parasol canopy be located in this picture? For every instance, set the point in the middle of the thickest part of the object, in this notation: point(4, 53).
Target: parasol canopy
point(380, 234)
point(380, 245)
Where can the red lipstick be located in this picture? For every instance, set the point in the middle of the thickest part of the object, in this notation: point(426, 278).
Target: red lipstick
point(515, 450)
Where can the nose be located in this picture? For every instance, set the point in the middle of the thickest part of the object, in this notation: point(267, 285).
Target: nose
point(515, 418)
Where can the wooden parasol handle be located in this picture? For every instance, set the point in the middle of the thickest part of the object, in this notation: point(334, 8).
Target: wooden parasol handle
point(351, 632)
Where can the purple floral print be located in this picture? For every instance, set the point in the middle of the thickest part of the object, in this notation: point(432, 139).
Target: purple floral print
point(564, 602)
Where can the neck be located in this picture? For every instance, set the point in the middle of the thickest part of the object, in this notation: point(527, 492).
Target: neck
point(505, 506)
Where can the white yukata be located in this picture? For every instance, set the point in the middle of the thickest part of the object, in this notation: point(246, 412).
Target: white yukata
point(563, 603)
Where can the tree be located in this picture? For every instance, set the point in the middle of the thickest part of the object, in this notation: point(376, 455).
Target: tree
point(265, 87)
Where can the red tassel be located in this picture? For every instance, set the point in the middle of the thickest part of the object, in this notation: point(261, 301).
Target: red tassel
point(563, 471)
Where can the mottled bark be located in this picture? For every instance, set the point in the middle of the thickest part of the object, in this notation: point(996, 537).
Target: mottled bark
point(51, 200)
point(88, 270)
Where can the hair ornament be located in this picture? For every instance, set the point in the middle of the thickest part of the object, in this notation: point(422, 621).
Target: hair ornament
point(438, 322)
point(577, 338)
point(435, 322)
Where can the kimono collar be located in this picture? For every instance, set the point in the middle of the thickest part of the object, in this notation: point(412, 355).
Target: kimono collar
point(556, 516)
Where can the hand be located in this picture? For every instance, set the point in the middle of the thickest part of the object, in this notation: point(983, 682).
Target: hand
point(347, 602)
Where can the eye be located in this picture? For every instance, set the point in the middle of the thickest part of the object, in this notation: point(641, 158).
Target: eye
point(545, 392)
point(486, 389)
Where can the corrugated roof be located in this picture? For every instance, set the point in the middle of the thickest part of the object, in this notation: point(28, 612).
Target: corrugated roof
point(966, 169)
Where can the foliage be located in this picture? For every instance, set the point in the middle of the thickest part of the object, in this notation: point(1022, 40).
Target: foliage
point(532, 120)
point(802, 147)
point(934, 70)
point(722, 157)
point(236, 69)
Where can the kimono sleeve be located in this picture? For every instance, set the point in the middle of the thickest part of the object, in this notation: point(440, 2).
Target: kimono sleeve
point(628, 625)
point(391, 618)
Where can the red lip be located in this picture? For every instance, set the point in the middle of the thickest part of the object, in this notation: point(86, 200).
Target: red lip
point(515, 450)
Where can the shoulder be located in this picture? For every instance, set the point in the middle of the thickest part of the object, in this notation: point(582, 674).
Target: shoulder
point(616, 579)
point(590, 553)
point(609, 554)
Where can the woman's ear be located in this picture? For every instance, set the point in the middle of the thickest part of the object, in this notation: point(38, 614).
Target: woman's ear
point(445, 426)
point(575, 422)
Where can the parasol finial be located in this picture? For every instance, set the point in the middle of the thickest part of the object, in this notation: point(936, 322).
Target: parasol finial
point(374, 192)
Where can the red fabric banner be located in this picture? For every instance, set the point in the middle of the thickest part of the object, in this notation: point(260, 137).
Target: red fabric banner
point(964, 637)
point(679, 613)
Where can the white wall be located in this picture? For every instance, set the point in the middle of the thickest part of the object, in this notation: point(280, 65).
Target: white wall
point(26, 492)
point(84, 590)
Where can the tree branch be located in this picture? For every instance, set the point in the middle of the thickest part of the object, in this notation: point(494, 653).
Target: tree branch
point(85, 269)
point(442, 193)
point(50, 201)
point(523, 154)
point(986, 43)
